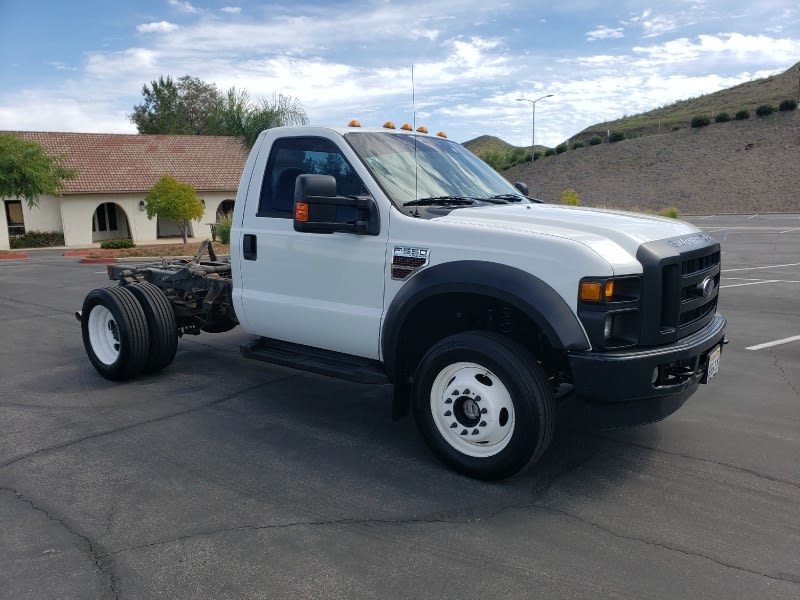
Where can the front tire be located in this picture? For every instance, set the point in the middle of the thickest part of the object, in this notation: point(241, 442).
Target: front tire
point(483, 404)
point(115, 332)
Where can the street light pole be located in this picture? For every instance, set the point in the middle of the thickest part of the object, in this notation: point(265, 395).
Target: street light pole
point(533, 120)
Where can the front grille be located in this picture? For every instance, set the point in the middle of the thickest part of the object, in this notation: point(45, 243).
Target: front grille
point(681, 283)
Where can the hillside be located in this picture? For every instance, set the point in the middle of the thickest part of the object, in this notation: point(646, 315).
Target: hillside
point(736, 167)
point(745, 96)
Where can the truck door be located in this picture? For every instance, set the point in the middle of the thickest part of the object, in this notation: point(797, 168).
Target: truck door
point(321, 290)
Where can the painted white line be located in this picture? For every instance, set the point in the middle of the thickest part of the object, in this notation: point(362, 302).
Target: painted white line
point(767, 267)
point(790, 230)
point(794, 338)
point(752, 217)
point(751, 283)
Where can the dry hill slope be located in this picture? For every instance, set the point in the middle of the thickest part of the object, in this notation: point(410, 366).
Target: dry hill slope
point(748, 166)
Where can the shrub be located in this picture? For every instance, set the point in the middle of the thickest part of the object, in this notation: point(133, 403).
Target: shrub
point(722, 117)
point(595, 140)
point(671, 212)
point(224, 230)
point(537, 155)
point(700, 121)
point(117, 244)
point(742, 115)
point(676, 127)
point(550, 152)
point(37, 239)
point(616, 136)
point(577, 145)
point(764, 110)
point(570, 197)
point(787, 104)
point(561, 148)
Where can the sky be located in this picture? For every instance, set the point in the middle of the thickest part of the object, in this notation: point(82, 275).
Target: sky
point(452, 65)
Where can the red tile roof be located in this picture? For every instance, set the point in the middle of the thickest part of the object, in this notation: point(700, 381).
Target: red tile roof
point(116, 163)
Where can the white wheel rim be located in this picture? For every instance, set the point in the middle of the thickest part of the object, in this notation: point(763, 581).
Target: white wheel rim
point(103, 335)
point(472, 409)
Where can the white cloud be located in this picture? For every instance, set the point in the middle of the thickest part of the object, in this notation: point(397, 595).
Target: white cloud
point(183, 6)
point(233, 10)
point(605, 33)
point(159, 27)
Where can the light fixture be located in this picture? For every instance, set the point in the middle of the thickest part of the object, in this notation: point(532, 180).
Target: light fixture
point(141, 205)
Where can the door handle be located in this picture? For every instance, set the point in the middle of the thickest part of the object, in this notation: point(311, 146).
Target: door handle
point(249, 246)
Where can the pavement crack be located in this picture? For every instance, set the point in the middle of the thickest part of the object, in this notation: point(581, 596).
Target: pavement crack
point(776, 362)
point(788, 577)
point(92, 548)
point(130, 426)
point(709, 461)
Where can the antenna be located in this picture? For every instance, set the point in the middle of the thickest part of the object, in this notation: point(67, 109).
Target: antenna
point(414, 133)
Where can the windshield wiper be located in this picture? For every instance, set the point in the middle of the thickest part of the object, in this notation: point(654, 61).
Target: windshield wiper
point(442, 201)
point(505, 198)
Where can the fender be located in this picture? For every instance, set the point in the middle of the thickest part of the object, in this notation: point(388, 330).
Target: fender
point(515, 287)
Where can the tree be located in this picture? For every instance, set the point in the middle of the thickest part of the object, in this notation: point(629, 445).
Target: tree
point(172, 199)
point(27, 172)
point(195, 107)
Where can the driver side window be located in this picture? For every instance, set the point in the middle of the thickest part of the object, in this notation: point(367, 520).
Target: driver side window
point(292, 157)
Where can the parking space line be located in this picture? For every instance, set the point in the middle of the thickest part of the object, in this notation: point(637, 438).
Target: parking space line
point(750, 283)
point(754, 268)
point(794, 338)
point(790, 230)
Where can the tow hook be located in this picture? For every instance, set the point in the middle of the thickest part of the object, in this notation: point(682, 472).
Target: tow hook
point(78, 315)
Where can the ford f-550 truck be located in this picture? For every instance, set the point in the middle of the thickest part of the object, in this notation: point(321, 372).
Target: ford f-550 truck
point(396, 256)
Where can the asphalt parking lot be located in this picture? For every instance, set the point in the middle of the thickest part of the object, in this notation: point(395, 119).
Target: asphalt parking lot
point(227, 478)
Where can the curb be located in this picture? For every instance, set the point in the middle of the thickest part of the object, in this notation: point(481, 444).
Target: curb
point(98, 261)
point(13, 255)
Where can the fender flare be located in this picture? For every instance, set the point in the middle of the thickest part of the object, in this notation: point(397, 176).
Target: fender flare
point(515, 287)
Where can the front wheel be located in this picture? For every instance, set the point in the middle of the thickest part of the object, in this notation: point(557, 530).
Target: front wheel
point(483, 404)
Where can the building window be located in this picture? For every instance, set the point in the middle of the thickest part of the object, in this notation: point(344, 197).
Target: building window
point(105, 217)
point(16, 224)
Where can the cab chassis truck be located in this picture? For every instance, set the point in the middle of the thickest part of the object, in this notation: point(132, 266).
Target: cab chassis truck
point(395, 256)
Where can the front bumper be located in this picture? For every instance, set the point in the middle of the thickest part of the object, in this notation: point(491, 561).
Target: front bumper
point(634, 387)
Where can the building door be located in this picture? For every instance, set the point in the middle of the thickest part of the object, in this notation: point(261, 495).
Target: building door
point(16, 223)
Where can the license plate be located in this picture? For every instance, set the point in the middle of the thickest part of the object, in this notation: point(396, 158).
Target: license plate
point(713, 363)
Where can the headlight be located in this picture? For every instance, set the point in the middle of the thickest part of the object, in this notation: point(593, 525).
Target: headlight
point(609, 309)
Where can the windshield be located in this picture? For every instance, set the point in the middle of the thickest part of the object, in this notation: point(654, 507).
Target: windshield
point(420, 169)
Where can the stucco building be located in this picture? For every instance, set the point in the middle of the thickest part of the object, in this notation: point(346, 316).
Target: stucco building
point(115, 172)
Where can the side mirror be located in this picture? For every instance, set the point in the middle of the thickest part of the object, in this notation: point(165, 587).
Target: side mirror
point(523, 188)
point(317, 208)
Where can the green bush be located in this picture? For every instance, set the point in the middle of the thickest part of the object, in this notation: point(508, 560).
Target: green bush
point(671, 212)
point(537, 155)
point(700, 121)
point(722, 117)
point(550, 152)
point(561, 148)
point(577, 145)
point(787, 105)
point(616, 136)
point(117, 244)
point(37, 239)
point(224, 230)
point(570, 197)
point(764, 110)
point(742, 115)
point(595, 140)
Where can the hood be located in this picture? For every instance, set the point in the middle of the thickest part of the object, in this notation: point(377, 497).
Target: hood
point(614, 235)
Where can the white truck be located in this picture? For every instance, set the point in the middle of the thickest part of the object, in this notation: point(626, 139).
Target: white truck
point(396, 256)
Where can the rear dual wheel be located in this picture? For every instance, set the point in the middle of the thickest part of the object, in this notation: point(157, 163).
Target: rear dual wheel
point(483, 404)
point(128, 330)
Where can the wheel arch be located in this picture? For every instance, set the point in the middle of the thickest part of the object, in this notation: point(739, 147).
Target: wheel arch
point(414, 320)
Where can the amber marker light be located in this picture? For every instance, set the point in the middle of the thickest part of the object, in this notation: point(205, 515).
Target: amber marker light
point(354, 123)
point(442, 134)
point(389, 125)
point(422, 129)
point(590, 291)
point(406, 127)
point(609, 291)
point(301, 212)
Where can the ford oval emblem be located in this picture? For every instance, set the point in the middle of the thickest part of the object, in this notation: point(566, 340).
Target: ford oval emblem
point(707, 287)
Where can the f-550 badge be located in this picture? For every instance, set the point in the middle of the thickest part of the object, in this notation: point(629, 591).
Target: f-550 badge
point(407, 260)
